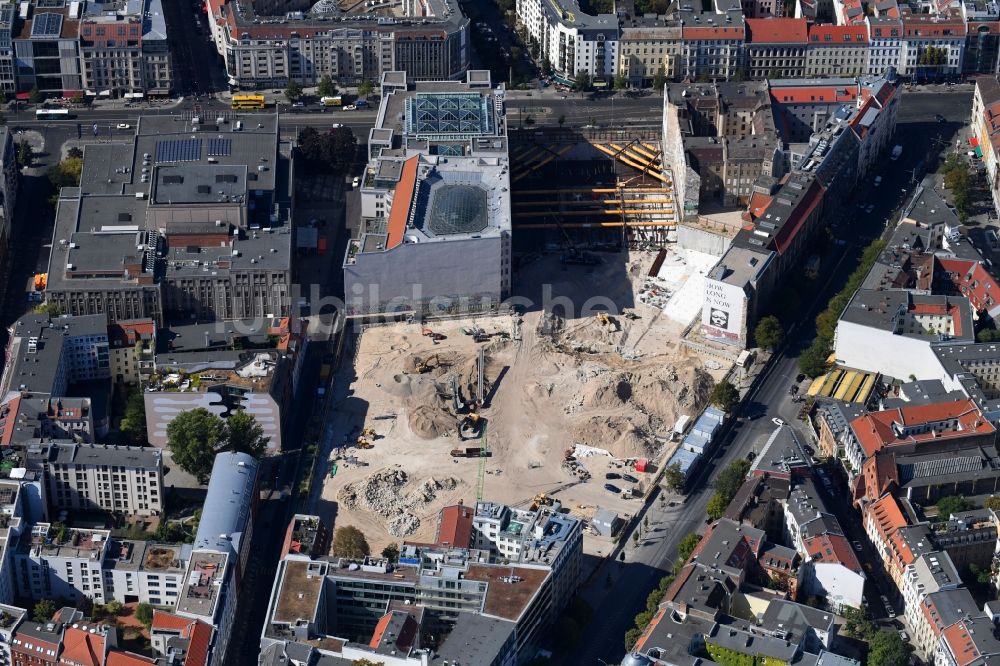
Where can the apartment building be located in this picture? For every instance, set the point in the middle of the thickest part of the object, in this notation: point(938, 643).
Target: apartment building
point(885, 43)
point(926, 575)
point(976, 635)
point(933, 45)
point(776, 48)
point(571, 40)
point(124, 49)
point(174, 227)
point(268, 45)
point(713, 46)
point(145, 572)
point(9, 181)
point(118, 479)
point(60, 563)
point(986, 127)
point(837, 50)
point(647, 46)
point(514, 571)
point(132, 343)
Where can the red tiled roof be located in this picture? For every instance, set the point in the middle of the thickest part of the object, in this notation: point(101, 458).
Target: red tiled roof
point(759, 203)
point(813, 94)
point(973, 281)
point(832, 548)
point(960, 642)
point(199, 637)
point(837, 35)
point(8, 419)
point(380, 628)
point(712, 32)
point(887, 515)
point(82, 647)
point(116, 658)
point(878, 430)
point(455, 526)
point(401, 201)
point(980, 27)
point(778, 31)
point(169, 621)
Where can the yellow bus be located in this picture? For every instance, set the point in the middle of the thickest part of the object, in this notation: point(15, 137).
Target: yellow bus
point(248, 102)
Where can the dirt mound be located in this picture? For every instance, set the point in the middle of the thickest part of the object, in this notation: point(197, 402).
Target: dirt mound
point(619, 436)
point(383, 493)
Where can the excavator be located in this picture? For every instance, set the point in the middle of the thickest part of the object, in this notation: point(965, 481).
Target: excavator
point(469, 426)
point(363, 443)
point(369, 432)
point(604, 319)
point(421, 367)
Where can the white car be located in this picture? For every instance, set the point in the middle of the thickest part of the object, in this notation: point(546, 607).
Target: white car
point(778, 422)
point(356, 181)
point(351, 107)
point(337, 126)
point(124, 126)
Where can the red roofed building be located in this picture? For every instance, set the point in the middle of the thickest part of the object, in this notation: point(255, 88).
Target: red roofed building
point(837, 50)
point(116, 658)
point(776, 47)
point(84, 645)
point(882, 519)
point(132, 343)
point(920, 428)
point(933, 44)
point(173, 633)
point(832, 570)
point(969, 642)
point(712, 48)
point(986, 129)
point(972, 280)
point(455, 526)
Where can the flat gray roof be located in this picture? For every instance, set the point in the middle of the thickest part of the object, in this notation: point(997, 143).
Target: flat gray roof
point(476, 639)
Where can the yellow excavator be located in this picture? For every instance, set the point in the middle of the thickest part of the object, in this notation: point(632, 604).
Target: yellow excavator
point(421, 367)
point(540, 500)
point(363, 443)
point(369, 432)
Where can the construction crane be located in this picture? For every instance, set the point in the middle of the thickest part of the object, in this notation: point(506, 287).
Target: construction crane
point(484, 450)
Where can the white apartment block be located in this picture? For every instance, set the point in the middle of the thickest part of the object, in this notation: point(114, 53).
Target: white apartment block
point(570, 40)
point(145, 572)
point(61, 563)
point(84, 477)
point(929, 573)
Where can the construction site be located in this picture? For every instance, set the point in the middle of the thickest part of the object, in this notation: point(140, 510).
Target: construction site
point(516, 407)
point(628, 201)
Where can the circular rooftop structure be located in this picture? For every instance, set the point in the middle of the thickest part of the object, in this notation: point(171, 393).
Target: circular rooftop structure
point(456, 208)
point(325, 7)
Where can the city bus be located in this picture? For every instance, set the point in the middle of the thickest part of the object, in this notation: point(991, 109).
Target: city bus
point(248, 102)
point(53, 114)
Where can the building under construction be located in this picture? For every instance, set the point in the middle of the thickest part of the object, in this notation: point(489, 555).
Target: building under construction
point(627, 199)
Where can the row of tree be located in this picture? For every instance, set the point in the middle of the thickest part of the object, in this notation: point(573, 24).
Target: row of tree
point(325, 88)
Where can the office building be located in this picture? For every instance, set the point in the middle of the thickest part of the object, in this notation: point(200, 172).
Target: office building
point(435, 199)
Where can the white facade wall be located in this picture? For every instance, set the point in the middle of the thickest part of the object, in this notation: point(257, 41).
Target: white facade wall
point(150, 587)
point(876, 350)
point(841, 586)
point(911, 48)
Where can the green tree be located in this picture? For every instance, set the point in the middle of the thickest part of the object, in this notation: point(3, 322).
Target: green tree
point(582, 81)
point(660, 79)
point(194, 437)
point(44, 610)
point(992, 502)
point(857, 624)
point(546, 68)
point(391, 552)
point(674, 477)
point(950, 504)
point(325, 87)
point(51, 309)
point(36, 96)
point(812, 361)
point(144, 614)
point(988, 335)
point(350, 542)
point(244, 435)
point(114, 608)
point(632, 637)
point(293, 91)
point(979, 574)
point(332, 151)
point(717, 505)
point(769, 333)
point(724, 395)
point(25, 154)
point(75, 152)
point(687, 545)
point(730, 480)
point(133, 424)
point(365, 88)
point(64, 174)
point(886, 648)
point(620, 82)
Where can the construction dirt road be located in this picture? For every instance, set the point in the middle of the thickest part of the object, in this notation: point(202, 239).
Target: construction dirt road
point(550, 383)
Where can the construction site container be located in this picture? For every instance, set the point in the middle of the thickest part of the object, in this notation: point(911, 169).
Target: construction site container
point(642, 465)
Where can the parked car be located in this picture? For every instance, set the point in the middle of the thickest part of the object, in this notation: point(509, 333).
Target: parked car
point(629, 478)
point(612, 488)
point(351, 107)
point(857, 545)
point(336, 126)
point(904, 636)
point(124, 126)
point(612, 476)
point(778, 422)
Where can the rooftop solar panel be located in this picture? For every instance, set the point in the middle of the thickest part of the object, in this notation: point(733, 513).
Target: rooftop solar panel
point(220, 147)
point(46, 24)
point(178, 150)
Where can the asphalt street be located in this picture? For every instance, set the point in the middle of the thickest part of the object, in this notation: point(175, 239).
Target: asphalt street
point(617, 604)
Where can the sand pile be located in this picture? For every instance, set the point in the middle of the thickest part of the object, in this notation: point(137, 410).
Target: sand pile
point(620, 436)
point(385, 494)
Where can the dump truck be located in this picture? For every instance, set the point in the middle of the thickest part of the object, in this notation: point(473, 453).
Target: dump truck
point(336, 100)
point(470, 452)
